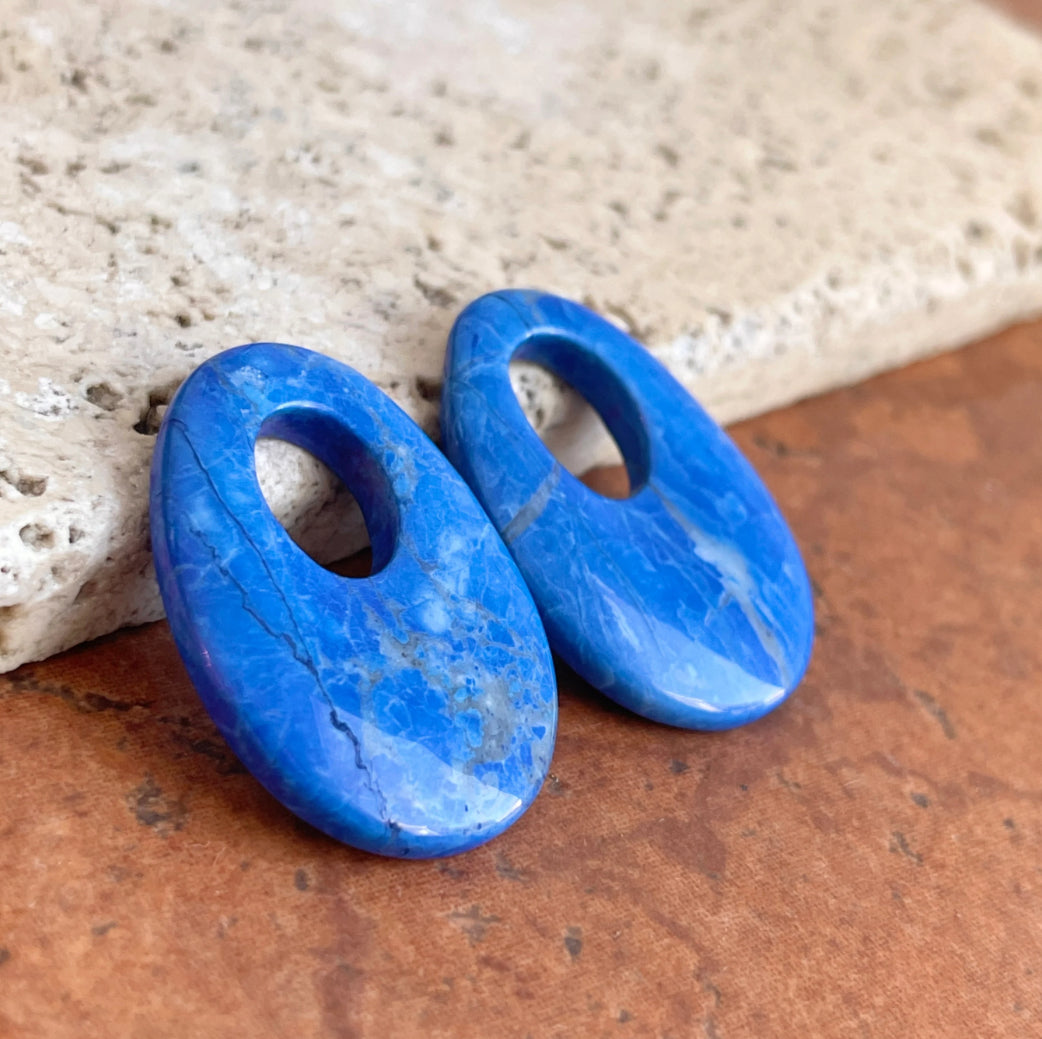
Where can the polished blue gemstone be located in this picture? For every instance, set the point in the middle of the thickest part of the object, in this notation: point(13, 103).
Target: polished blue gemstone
point(411, 712)
point(687, 602)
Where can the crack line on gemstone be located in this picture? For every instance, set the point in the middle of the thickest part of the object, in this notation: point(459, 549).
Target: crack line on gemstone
point(533, 508)
point(299, 651)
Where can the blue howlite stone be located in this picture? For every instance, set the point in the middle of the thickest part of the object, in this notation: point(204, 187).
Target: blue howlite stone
point(687, 602)
point(409, 713)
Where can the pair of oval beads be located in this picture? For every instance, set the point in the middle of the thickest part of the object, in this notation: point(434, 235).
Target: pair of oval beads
point(413, 712)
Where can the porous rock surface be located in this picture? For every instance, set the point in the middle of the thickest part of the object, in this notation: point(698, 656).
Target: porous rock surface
point(776, 196)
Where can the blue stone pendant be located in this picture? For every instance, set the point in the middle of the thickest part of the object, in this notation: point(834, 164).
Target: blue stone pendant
point(409, 713)
point(687, 602)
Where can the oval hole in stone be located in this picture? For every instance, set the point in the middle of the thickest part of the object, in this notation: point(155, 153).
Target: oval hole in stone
point(572, 429)
point(314, 506)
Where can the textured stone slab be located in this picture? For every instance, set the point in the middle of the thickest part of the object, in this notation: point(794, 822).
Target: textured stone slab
point(776, 196)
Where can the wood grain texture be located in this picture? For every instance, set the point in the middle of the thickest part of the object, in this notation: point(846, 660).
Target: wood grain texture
point(863, 862)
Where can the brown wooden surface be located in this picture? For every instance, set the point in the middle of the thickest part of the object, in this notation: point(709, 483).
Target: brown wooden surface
point(867, 861)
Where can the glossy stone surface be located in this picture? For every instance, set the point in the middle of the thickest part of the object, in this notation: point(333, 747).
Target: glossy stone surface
point(688, 602)
point(409, 713)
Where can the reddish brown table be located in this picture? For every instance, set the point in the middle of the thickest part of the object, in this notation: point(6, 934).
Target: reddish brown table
point(865, 861)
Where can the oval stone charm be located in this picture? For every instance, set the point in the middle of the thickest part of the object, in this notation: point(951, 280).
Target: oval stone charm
point(687, 602)
point(412, 712)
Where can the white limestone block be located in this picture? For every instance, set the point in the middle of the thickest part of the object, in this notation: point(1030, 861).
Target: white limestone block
point(776, 196)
